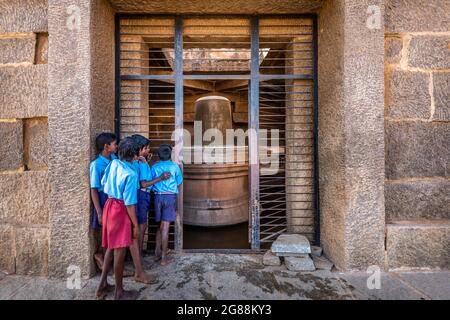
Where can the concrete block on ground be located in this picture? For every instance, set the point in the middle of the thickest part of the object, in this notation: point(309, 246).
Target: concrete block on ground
point(291, 243)
point(270, 259)
point(316, 251)
point(322, 263)
point(301, 263)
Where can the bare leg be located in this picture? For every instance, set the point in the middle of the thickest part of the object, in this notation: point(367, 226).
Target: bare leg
point(158, 247)
point(107, 264)
point(119, 261)
point(143, 228)
point(140, 275)
point(165, 242)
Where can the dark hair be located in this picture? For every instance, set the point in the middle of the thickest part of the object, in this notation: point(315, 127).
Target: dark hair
point(102, 139)
point(128, 149)
point(141, 141)
point(165, 152)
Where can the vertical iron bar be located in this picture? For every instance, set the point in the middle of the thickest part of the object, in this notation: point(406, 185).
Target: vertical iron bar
point(179, 124)
point(117, 79)
point(254, 135)
point(316, 134)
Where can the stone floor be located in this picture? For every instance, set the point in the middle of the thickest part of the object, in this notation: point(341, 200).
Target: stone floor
point(219, 276)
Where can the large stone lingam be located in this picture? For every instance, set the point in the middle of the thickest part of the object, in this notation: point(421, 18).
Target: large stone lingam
point(215, 194)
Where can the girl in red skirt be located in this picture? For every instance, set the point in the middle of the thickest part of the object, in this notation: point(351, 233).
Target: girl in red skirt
point(120, 225)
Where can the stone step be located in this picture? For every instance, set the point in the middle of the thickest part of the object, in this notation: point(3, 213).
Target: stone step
point(416, 244)
point(291, 244)
point(301, 263)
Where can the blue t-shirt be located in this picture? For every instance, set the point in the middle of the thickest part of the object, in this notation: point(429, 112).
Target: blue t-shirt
point(143, 171)
point(171, 184)
point(97, 169)
point(120, 180)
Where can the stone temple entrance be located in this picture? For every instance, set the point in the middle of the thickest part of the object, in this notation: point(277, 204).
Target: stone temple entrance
point(85, 73)
point(251, 79)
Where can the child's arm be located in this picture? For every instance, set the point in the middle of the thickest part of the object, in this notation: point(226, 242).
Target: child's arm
point(164, 176)
point(131, 210)
point(94, 177)
point(96, 202)
point(130, 201)
point(179, 176)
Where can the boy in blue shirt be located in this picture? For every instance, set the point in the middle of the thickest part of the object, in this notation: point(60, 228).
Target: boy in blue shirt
point(106, 144)
point(165, 199)
point(119, 225)
point(146, 182)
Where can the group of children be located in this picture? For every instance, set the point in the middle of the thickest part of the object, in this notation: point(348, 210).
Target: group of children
point(121, 193)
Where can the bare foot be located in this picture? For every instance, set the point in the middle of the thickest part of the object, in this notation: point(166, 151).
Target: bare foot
point(158, 256)
point(128, 273)
point(165, 261)
point(146, 264)
point(126, 295)
point(110, 287)
point(145, 278)
point(102, 292)
point(98, 257)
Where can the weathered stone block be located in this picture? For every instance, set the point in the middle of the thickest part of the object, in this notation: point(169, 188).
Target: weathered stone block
point(417, 199)
point(41, 56)
point(417, 149)
point(11, 148)
point(270, 259)
point(418, 244)
point(24, 199)
point(23, 16)
point(32, 251)
point(316, 251)
point(291, 243)
point(7, 262)
point(322, 263)
point(441, 83)
point(429, 52)
point(393, 49)
point(36, 143)
point(417, 15)
point(17, 50)
point(408, 95)
point(23, 91)
point(302, 263)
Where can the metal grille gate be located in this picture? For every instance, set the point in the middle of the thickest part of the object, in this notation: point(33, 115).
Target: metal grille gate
point(271, 63)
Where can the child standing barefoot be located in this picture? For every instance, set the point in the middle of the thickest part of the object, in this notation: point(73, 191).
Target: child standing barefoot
point(106, 144)
point(120, 224)
point(165, 200)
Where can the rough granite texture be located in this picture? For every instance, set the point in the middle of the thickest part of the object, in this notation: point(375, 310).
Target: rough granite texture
point(418, 244)
point(429, 52)
point(428, 199)
point(75, 101)
point(31, 251)
point(24, 199)
point(216, 6)
point(23, 16)
point(36, 143)
point(417, 15)
point(23, 91)
point(351, 140)
point(17, 49)
point(441, 83)
point(408, 95)
point(426, 155)
point(11, 149)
